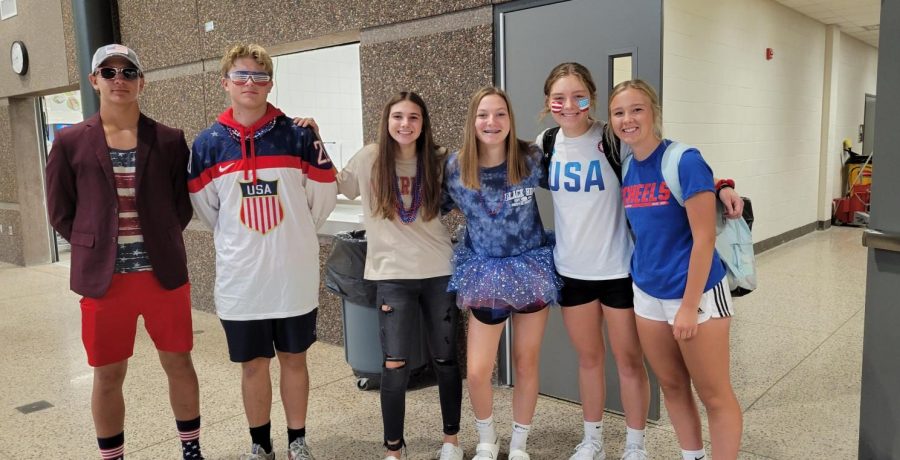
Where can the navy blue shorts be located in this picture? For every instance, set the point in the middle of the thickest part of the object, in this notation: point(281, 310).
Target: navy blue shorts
point(259, 338)
point(492, 316)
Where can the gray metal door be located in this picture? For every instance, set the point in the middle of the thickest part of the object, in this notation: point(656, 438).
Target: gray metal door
point(615, 39)
point(879, 423)
point(868, 140)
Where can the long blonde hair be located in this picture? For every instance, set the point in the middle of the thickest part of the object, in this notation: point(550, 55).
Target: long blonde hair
point(644, 87)
point(516, 149)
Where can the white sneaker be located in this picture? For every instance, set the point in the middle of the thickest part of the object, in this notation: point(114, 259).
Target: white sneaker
point(299, 450)
point(450, 452)
point(589, 449)
point(634, 452)
point(257, 453)
point(487, 451)
point(391, 457)
point(519, 454)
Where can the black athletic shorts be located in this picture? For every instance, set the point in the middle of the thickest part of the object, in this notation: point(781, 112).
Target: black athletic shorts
point(259, 338)
point(616, 293)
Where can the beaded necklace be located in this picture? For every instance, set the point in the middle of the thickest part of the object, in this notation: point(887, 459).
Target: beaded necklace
point(408, 216)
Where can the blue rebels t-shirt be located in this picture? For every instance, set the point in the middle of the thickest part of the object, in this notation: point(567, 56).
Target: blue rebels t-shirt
point(663, 241)
point(502, 220)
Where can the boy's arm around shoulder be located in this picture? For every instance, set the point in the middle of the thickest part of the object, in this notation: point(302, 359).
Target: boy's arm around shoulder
point(318, 175)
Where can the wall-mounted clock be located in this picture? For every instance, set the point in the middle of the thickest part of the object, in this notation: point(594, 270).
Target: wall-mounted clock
point(19, 57)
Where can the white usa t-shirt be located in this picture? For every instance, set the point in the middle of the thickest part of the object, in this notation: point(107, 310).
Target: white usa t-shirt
point(592, 240)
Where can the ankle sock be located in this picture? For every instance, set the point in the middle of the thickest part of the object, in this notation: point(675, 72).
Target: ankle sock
point(693, 454)
point(262, 435)
point(519, 438)
point(593, 431)
point(487, 433)
point(189, 433)
point(634, 437)
point(113, 447)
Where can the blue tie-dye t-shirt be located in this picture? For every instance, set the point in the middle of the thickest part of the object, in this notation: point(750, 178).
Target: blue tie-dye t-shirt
point(501, 220)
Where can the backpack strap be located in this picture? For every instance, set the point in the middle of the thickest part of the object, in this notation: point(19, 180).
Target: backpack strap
point(626, 162)
point(612, 148)
point(609, 141)
point(547, 144)
point(671, 158)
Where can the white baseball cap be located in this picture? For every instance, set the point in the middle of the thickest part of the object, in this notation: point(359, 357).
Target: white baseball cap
point(107, 51)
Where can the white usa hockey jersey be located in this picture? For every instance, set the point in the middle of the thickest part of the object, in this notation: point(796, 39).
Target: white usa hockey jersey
point(264, 190)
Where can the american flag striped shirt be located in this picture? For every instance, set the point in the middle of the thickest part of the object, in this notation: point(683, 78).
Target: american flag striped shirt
point(130, 255)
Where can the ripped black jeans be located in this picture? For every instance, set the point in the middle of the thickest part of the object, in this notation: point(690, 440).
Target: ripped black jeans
point(405, 300)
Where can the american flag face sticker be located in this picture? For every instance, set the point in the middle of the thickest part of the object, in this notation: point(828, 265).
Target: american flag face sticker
point(556, 106)
point(261, 208)
point(584, 104)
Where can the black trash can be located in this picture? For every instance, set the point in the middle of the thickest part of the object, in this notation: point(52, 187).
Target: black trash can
point(362, 342)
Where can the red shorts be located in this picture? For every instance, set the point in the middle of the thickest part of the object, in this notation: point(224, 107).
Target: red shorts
point(109, 323)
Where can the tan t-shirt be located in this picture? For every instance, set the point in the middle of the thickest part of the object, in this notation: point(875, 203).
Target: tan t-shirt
point(395, 250)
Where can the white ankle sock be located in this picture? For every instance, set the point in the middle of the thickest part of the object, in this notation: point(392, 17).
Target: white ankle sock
point(634, 437)
point(693, 454)
point(593, 430)
point(486, 431)
point(519, 438)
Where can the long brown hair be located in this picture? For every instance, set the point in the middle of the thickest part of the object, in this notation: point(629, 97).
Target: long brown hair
point(516, 149)
point(384, 177)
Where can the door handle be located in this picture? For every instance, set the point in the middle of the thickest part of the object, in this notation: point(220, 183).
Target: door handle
point(880, 240)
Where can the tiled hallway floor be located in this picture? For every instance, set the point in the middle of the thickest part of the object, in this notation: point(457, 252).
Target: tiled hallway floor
point(796, 348)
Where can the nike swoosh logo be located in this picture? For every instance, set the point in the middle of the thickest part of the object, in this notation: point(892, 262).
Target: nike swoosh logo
point(225, 168)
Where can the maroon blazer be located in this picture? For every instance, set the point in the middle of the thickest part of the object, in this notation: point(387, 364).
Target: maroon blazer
point(83, 203)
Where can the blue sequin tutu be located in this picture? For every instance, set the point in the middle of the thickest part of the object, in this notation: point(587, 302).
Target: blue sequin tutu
point(525, 282)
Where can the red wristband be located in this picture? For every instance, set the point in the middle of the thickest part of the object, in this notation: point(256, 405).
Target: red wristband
point(722, 183)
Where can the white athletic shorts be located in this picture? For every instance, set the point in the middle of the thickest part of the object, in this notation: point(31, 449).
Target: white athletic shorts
point(714, 303)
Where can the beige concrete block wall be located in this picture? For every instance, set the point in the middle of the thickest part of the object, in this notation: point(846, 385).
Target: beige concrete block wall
point(755, 120)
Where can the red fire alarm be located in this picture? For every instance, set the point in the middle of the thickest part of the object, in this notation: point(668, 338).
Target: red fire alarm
point(770, 53)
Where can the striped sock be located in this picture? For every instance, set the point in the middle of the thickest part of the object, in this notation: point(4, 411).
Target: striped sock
point(189, 432)
point(113, 447)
